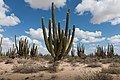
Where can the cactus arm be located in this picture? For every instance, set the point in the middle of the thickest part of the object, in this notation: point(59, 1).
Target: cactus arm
point(67, 22)
point(16, 44)
point(60, 45)
point(54, 28)
point(45, 35)
point(71, 41)
point(50, 39)
point(59, 30)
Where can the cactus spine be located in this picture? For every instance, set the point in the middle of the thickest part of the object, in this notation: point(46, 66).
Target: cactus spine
point(58, 44)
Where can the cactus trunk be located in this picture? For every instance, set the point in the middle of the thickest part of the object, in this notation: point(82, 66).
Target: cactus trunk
point(59, 43)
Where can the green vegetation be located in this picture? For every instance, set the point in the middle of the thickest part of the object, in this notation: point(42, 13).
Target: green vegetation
point(58, 44)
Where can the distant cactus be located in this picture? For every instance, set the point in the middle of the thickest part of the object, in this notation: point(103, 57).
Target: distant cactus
point(23, 49)
point(11, 53)
point(100, 52)
point(1, 47)
point(33, 51)
point(60, 43)
point(73, 52)
point(110, 51)
point(80, 50)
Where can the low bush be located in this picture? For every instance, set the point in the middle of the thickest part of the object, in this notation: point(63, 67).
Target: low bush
point(9, 61)
point(111, 70)
point(96, 76)
point(114, 65)
point(94, 65)
point(29, 68)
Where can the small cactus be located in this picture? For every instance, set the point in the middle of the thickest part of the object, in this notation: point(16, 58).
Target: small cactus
point(33, 51)
point(80, 50)
point(110, 51)
point(23, 49)
point(11, 52)
point(100, 52)
point(73, 52)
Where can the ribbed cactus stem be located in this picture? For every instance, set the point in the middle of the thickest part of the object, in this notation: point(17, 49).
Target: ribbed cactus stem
point(16, 44)
point(67, 22)
point(1, 46)
point(59, 43)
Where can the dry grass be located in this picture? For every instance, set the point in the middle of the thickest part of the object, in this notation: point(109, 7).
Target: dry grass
point(111, 70)
point(96, 76)
point(9, 61)
point(29, 68)
point(89, 60)
point(114, 65)
point(114, 68)
point(22, 61)
point(94, 65)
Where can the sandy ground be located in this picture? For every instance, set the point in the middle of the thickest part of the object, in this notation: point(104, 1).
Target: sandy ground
point(68, 72)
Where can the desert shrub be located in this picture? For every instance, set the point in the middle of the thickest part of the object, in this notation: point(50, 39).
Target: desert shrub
point(22, 61)
point(9, 61)
point(5, 79)
point(94, 65)
point(1, 60)
point(111, 70)
point(29, 68)
point(54, 77)
point(106, 61)
point(96, 76)
point(110, 60)
point(89, 60)
point(114, 65)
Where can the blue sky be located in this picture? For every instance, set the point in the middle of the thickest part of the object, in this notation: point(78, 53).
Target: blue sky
point(97, 21)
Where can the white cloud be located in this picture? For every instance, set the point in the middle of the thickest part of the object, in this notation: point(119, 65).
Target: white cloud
point(36, 34)
point(92, 39)
point(85, 34)
point(5, 20)
point(102, 10)
point(23, 38)
point(45, 4)
point(1, 29)
point(114, 39)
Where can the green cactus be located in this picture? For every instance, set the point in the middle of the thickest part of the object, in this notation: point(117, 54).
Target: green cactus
point(58, 44)
point(80, 50)
point(110, 51)
point(73, 52)
point(1, 47)
point(23, 49)
point(11, 52)
point(34, 51)
point(100, 52)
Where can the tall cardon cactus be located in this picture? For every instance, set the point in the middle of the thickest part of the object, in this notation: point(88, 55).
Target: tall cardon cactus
point(58, 42)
